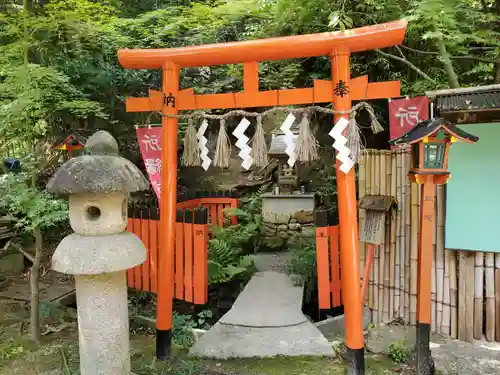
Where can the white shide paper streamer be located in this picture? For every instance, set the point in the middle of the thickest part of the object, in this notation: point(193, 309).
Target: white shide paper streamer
point(340, 145)
point(289, 139)
point(242, 143)
point(202, 145)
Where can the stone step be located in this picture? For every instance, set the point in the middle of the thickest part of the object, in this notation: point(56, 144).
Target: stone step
point(265, 321)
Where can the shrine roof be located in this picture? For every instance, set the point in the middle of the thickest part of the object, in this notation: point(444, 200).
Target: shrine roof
point(278, 145)
point(72, 137)
point(471, 104)
point(430, 127)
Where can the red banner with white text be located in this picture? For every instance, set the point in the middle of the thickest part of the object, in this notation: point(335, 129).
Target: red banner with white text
point(150, 146)
point(404, 114)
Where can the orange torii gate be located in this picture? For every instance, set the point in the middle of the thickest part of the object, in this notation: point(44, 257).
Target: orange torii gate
point(337, 45)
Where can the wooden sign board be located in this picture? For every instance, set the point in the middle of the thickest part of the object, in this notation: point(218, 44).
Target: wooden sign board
point(374, 230)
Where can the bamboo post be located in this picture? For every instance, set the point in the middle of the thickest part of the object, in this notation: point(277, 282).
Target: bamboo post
point(497, 297)
point(377, 313)
point(399, 271)
point(368, 173)
point(490, 296)
point(371, 284)
point(361, 212)
point(469, 296)
point(466, 296)
point(381, 286)
point(369, 183)
point(446, 318)
point(376, 185)
point(478, 295)
point(462, 281)
point(392, 266)
point(414, 253)
point(407, 231)
point(387, 244)
point(453, 256)
point(440, 203)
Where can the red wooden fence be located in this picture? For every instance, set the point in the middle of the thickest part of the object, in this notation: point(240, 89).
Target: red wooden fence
point(328, 260)
point(215, 207)
point(191, 250)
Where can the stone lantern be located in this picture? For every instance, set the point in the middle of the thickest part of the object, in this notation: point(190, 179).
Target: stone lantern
point(100, 251)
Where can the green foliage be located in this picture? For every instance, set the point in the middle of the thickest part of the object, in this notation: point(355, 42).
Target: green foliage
point(326, 179)
point(203, 317)
point(173, 367)
point(182, 326)
point(27, 206)
point(398, 352)
point(228, 251)
point(303, 265)
point(10, 350)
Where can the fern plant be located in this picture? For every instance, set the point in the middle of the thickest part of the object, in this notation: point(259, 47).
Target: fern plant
point(303, 266)
point(230, 248)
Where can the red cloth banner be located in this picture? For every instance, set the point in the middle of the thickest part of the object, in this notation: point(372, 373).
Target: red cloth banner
point(150, 145)
point(404, 114)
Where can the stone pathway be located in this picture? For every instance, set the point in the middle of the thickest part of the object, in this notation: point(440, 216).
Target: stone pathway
point(265, 321)
point(460, 358)
point(273, 261)
point(451, 357)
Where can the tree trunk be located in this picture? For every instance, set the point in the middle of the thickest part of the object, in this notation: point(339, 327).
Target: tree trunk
point(448, 64)
point(35, 286)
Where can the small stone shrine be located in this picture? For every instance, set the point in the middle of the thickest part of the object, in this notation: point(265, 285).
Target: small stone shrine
point(100, 251)
point(287, 176)
point(287, 212)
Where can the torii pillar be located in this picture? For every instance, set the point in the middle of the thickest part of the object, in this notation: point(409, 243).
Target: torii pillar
point(337, 45)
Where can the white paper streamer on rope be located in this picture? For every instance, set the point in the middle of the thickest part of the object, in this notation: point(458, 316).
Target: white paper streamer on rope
point(289, 139)
point(202, 145)
point(340, 145)
point(242, 143)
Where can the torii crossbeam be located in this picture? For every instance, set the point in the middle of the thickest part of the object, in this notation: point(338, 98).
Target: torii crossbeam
point(337, 45)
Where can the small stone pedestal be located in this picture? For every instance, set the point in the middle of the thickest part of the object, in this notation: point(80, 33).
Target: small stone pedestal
point(100, 251)
point(288, 219)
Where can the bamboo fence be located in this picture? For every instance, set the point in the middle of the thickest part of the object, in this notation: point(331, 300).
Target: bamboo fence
point(465, 284)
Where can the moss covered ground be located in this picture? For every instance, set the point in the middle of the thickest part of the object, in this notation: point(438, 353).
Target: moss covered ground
point(58, 353)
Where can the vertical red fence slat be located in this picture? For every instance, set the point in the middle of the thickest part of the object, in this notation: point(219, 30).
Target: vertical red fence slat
point(213, 213)
point(137, 231)
point(200, 229)
point(188, 256)
point(234, 204)
point(145, 239)
point(333, 232)
point(130, 228)
point(153, 245)
point(220, 214)
point(191, 252)
point(179, 255)
point(321, 220)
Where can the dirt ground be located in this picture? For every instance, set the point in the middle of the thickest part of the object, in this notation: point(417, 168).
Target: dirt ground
point(58, 353)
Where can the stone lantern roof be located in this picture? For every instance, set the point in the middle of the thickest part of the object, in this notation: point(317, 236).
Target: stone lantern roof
point(103, 171)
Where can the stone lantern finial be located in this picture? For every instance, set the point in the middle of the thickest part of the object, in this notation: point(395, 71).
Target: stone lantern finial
point(102, 143)
point(100, 250)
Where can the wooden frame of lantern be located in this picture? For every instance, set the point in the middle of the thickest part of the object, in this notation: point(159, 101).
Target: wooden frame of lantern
point(430, 142)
